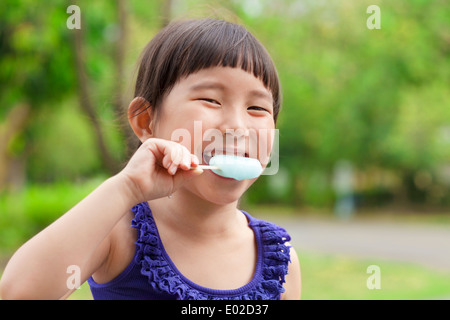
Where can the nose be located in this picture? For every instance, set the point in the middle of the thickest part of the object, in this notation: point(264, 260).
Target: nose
point(233, 122)
point(234, 129)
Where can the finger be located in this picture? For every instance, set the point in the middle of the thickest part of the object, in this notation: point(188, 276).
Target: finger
point(197, 171)
point(194, 161)
point(183, 175)
point(174, 162)
point(162, 150)
point(171, 154)
point(183, 158)
point(178, 155)
point(186, 159)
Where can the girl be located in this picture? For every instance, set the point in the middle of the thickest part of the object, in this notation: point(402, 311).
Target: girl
point(184, 237)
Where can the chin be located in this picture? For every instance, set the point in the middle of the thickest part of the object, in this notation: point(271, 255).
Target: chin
point(220, 191)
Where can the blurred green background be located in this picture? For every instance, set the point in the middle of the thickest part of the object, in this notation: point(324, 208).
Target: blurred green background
point(364, 127)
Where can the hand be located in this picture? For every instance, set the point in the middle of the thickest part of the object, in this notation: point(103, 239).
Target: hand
point(157, 169)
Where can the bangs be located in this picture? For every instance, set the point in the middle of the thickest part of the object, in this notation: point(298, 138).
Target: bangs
point(186, 47)
point(230, 45)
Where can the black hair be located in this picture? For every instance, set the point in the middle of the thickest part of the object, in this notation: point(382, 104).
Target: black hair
point(185, 47)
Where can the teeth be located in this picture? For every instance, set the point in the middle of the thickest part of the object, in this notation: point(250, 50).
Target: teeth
point(207, 157)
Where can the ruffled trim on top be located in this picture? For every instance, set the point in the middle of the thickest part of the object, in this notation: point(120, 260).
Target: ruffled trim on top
point(164, 277)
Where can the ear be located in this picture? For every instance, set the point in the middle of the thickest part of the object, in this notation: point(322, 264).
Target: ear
point(141, 118)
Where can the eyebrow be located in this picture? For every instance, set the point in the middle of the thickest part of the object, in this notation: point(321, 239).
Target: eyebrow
point(217, 86)
point(207, 85)
point(261, 94)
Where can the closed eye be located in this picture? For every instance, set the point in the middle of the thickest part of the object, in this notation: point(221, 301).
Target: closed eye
point(209, 100)
point(258, 109)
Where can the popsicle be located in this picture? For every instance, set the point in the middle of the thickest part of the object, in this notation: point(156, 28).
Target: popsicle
point(238, 168)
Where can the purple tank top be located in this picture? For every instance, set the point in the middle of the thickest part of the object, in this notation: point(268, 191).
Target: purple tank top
point(151, 275)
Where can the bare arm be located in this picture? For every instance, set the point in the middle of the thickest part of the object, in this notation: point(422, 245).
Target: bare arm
point(38, 270)
point(79, 238)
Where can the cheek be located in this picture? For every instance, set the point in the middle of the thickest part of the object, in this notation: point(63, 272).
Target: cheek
point(181, 134)
point(259, 147)
point(192, 134)
point(261, 142)
point(177, 125)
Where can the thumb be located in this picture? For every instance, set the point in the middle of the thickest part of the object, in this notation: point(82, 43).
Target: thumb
point(187, 174)
point(181, 176)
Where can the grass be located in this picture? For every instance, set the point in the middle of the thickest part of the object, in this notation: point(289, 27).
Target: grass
point(330, 277)
point(83, 293)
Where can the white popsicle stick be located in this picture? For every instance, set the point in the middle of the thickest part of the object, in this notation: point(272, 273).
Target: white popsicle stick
point(202, 166)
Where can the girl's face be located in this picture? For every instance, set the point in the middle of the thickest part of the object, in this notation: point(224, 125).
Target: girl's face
point(218, 110)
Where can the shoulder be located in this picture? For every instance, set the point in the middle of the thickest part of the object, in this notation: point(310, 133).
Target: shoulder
point(269, 231)
point(275, 239)
point(293, 284)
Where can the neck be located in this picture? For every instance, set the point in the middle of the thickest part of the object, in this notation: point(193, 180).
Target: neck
point(194, 215)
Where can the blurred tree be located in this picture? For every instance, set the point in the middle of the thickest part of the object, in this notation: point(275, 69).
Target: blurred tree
point(39, 66)
point(10, 130)
point(30, 65)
